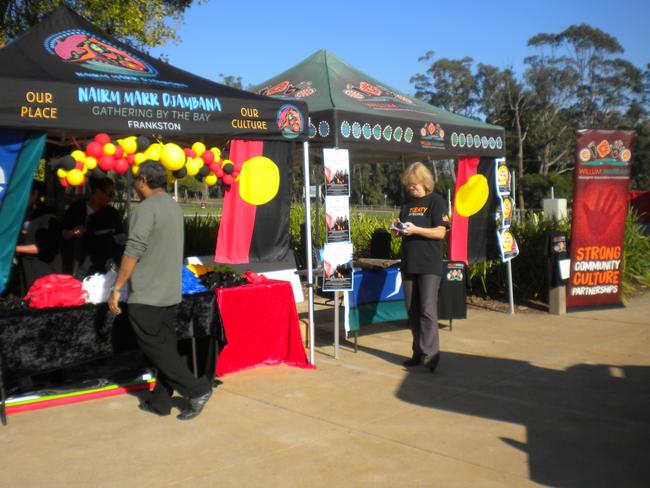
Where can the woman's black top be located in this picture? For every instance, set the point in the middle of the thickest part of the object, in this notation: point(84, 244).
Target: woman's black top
point(419, 254)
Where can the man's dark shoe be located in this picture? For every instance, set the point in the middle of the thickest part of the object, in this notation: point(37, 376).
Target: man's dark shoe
point(432, 363)
point(145, 406)
point(414, 361)
point(195, 406)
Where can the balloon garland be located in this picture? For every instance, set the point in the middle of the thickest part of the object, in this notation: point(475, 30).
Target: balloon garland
point(103, 155)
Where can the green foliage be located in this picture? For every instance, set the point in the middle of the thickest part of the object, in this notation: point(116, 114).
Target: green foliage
point(141, 23)
point(636, 256)
point(200, 235)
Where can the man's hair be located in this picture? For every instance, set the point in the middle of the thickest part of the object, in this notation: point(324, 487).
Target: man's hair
point(154, 173)
point(100, 184)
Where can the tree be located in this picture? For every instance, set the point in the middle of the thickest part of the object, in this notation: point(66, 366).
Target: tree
point(141, 23)
point(232, 81)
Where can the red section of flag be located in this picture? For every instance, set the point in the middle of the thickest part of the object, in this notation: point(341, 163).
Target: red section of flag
point(238, 216)
point(458, 236)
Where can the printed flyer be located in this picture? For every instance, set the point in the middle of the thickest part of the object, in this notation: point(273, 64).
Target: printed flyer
point(337, 266)
point(337, 172)
point(337, 215)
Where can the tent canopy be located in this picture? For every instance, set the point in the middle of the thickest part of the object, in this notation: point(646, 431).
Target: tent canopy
point(352, 110)
point(66, 75)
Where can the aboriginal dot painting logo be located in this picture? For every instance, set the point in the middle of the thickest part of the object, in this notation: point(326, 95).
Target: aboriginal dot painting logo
point(290, 121)
point(84, 49)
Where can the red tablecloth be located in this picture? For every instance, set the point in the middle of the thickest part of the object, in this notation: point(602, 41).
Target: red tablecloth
point(261, 325)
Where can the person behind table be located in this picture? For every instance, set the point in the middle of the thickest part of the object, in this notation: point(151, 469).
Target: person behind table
point(152, 265)
point(425, 222)
point(38, 243)
point(93, 233)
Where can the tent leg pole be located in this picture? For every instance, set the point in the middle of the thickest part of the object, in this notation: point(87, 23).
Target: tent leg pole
point(336, 325)
point(310, 270)
point(511, 307)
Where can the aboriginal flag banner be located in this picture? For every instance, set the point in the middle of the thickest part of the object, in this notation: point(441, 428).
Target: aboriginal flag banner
point(473, 227)
point(600, 186)
point(255, 218)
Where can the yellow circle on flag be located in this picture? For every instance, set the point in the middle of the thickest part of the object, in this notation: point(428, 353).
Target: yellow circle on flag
point(471, 197)
point(259, 180)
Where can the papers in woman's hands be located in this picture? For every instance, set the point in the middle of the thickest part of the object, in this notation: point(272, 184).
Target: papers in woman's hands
point(398, 227)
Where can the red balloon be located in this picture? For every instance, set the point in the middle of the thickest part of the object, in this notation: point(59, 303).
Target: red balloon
point(219, 172)
point(238, 166)
point(227, 179)
point(189, 152)
point(79, 165)
point(235, 174)
point(121, 166)
point(130, 159)
point(106, 162)
point(119, 152)
point(64, 182)
point(213, 167)
point(103, 138)
point(94, 149)
point(208, 157)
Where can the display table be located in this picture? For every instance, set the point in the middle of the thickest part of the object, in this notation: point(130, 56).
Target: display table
point(34, 341)
point(261, 324)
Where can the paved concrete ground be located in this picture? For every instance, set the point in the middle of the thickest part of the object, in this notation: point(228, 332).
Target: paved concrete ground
point(517, 401)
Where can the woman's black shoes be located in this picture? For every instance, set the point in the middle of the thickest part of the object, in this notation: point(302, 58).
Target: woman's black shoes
point(195, 406)
point(432, 363)
point(145, 406)
point(414, 361)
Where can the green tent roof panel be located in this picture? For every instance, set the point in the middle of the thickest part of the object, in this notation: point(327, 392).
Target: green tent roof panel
point(350, 109)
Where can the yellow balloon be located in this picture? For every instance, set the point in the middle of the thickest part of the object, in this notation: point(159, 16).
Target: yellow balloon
point(471, 197)
point(84, 170)
point(139, 158)
point(210, 180)
point(198, 148)
point(259, 180)
point(199, 162)
point(217, 153)
point(78, 155)
point(170, 178)
point(134, 169)
point(109, 148)
point(153, 152)
point(61, 173)
point(225, 162)
point(75, 177)
point(130, 145)
point(192, 167)
point(172, 156)
point(90, 162)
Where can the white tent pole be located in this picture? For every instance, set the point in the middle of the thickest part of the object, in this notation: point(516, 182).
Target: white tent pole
point(310, 278)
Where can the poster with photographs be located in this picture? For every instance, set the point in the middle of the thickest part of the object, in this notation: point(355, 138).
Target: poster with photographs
point(502, 175)
point(337, 266)
point(337, 217)
point(507, 244)
point(505, 211)
point(337, 172)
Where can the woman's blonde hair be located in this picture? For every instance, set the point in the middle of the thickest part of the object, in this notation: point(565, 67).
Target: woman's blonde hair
point(419, 173)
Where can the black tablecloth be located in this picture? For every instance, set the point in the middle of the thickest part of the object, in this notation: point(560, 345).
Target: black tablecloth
point(34, 341)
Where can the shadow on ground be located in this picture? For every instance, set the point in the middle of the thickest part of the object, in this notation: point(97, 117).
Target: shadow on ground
point(587, 426)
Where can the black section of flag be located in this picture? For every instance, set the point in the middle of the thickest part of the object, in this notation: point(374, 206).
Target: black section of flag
point(481, 230)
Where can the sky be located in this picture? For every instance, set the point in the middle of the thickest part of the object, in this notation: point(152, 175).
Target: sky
point(384, 39)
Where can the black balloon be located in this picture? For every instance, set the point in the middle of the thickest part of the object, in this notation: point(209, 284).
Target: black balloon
point(228, 169)
point(180, 173)
point(143, 143)
point(204, 171)
point(55, 163)
point(97, 173)
point(67, 163)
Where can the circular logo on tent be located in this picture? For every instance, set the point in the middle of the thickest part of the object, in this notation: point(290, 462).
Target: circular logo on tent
point(84, 49)
point(398, 133)
point(345, 128)
point(356, 130)
point(499, 143)
point(492, 143)
point(477, 141)
point(376, 132)
point(408, 135)
point(461, 140)
point(484, 142)
point(323, 128)
point(470, 140)
point(454, 139)
point(290, 121)
point(388, 132)
point(312, 130)
point(367, 131)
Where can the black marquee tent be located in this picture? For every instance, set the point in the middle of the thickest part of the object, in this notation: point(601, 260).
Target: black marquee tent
point(66, 75)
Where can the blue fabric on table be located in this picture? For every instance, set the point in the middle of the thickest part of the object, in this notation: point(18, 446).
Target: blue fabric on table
point(191, 284)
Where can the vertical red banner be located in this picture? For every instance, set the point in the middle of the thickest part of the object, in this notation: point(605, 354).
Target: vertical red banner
point(601, 177)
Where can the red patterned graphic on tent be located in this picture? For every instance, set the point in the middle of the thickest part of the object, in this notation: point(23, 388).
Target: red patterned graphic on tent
point(432, 135)
point(82, 48)
point(287, 89)
point(290, 121)
point(376, 96)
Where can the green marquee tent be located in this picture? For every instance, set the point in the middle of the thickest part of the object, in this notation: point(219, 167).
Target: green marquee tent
point(349, 109)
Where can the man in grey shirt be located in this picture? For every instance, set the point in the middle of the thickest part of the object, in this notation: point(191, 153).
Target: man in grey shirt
point(152, 264)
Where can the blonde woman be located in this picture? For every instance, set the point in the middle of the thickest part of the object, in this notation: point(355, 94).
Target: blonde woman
point(422, 224)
